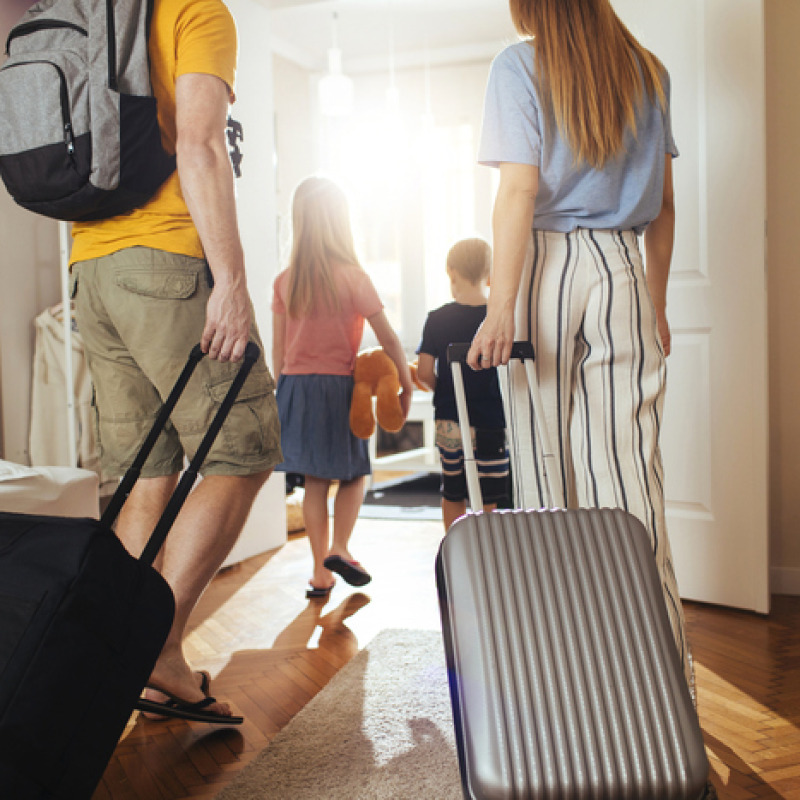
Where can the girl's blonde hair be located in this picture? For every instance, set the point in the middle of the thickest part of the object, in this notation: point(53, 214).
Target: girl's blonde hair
point(591, 72)
point(321, 234)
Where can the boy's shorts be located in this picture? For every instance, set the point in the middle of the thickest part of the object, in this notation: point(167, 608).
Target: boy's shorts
point(139, 313)
point(491, 457)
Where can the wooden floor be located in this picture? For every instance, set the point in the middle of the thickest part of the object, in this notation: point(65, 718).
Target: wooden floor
point(269, 651)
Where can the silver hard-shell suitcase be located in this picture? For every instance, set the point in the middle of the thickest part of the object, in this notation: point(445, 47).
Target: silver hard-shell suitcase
point(565, 680)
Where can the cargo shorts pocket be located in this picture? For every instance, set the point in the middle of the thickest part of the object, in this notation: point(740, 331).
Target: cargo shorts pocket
point(164, 285)
point(251, 429)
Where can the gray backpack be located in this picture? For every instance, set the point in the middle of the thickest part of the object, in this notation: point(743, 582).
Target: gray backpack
point(79, 136)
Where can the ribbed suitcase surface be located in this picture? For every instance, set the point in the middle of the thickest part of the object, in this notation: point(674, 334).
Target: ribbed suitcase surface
point(564, 677)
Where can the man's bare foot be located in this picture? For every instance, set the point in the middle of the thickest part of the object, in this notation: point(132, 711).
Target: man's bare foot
point(173, 679)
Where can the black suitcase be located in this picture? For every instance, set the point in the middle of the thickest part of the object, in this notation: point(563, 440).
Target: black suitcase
point(565, 680)
point(82, 623)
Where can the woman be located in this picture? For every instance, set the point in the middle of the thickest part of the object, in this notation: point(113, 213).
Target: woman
point(577, 119)
point(320, 303)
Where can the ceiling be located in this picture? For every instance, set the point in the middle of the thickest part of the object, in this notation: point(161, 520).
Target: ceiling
point(414, 32)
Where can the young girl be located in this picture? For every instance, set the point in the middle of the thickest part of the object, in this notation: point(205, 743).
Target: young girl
point(319, 306)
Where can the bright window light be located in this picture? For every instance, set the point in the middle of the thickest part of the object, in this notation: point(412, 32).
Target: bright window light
point(411, 184)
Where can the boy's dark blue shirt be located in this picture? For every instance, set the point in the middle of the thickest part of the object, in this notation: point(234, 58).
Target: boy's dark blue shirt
point(455, 322)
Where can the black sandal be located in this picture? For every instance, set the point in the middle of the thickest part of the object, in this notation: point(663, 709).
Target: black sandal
point(315, 592)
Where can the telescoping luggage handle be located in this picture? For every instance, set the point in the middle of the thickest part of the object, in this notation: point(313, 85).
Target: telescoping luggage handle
point(189, 476)
point(522, 351)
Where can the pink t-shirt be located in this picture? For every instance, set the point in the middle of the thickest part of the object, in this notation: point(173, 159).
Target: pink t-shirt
point(326, 343)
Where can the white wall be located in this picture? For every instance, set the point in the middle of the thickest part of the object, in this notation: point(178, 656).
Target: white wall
point(256, 200)
point(256, 205)
point(295, 140)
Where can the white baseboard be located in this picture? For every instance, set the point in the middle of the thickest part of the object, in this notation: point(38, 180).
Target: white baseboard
point(785, 580)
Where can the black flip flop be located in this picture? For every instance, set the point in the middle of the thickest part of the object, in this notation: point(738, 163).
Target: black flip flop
point(177, 708)
point(316, 592)
point(351, 571)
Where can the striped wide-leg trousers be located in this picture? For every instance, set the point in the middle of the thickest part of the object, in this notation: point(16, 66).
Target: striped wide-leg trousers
point(584, 304)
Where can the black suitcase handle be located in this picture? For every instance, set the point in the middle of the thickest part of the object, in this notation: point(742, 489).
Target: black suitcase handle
point(457, 351)
point(189, 476)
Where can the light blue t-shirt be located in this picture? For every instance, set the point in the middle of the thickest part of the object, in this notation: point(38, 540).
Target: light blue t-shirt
point(625, 194)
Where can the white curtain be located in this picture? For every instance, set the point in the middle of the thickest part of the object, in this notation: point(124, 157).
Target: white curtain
point(49, 442)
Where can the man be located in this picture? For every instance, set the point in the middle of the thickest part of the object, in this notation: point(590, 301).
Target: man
point(149, 285)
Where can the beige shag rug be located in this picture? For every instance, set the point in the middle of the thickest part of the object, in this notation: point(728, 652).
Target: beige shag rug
point(380, 730)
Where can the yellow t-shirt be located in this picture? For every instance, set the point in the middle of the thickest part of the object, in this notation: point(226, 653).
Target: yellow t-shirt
point(186, 36)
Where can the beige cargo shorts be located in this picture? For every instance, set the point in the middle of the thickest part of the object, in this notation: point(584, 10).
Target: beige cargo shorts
point(139, 313)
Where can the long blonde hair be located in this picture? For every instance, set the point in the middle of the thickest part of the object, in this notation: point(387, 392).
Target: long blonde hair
point(321, 234)
point(590, 71)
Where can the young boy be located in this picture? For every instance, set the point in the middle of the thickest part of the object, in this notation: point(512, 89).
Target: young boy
point(468, 267)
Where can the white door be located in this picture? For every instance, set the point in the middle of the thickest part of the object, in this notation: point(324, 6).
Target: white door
point(714, 435)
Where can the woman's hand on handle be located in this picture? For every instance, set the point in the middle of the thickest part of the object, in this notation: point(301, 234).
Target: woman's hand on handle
point(512, 220)
point(492, 343)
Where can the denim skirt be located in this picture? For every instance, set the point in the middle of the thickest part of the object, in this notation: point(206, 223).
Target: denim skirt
point(316, 439)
